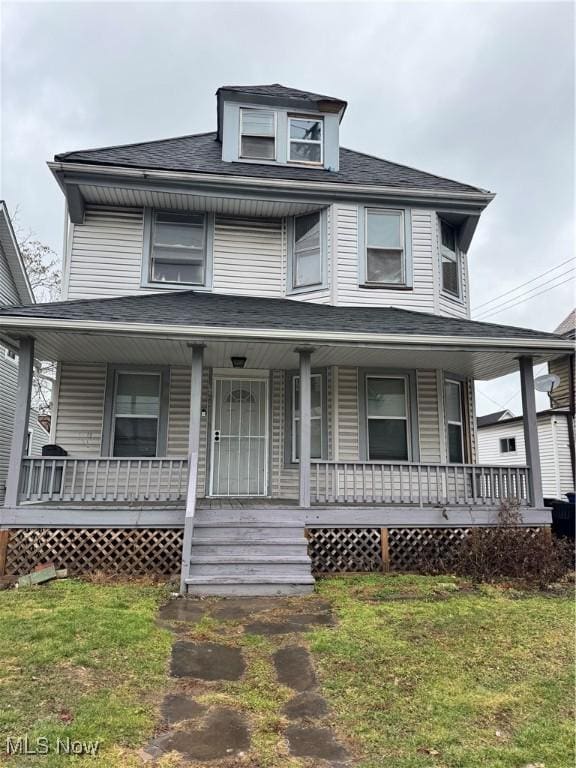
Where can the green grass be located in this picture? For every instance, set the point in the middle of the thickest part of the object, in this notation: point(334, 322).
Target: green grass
point(84, 662)
point(420, 673)
point(425, 672)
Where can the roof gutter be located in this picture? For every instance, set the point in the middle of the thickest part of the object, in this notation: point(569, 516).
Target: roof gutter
point(283, 335)
point(249, 182)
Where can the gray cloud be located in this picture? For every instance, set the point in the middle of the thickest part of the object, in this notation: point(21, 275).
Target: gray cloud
point(480, 92)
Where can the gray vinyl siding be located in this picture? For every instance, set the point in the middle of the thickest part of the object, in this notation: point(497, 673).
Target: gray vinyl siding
point(249, 257)
point(80, 409)
point(348, 438)
point(430, 420)
point(8, 291)
point(561, 393)
point(554, 450)
point(8, 383)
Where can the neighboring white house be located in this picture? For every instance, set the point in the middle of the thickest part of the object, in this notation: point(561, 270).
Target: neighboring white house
point(14, 289)
point(501, 442)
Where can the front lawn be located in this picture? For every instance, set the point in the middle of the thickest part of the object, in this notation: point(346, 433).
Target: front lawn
point(419, 673)
point(424, 674)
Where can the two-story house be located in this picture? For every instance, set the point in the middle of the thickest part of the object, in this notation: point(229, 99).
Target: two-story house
point(263, 332)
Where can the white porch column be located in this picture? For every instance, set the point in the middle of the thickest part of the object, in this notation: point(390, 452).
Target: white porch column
point(531, 430)
point(193, 452)
point(305, 423)
point(21, 419)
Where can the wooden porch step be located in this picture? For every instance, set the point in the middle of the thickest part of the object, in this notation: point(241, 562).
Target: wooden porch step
point(261, 584)
point(251, 559)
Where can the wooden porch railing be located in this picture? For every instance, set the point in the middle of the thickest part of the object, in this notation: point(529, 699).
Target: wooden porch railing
point(71, 479)
point(417, 484)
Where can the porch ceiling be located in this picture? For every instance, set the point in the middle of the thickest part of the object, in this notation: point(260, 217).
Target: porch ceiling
point(160, 349)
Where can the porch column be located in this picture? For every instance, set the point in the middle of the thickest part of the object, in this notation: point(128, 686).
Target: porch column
point(531, 430)
point(305, 423)
point(193, 451)
point(21, 419)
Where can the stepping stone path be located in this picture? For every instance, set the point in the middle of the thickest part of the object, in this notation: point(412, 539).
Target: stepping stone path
point(203, 733)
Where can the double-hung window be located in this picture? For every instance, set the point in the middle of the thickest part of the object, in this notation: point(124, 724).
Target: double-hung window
point(317, 419)
point(454, 421)
point(257, 134)
point(385, 247)
point(508, 445)
point(178, 248)
point(387, 414)
point(136, 413)
point(450, 259)
point(305, 140)
point(307, 250)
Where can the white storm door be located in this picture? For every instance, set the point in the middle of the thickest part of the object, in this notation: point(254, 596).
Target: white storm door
point(239, 465)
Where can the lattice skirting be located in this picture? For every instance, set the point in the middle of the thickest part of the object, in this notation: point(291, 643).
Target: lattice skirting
point(367, 550)
point(126, 551)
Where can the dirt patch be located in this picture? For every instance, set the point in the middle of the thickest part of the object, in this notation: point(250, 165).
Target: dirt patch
point(181, 609)
point(310, 741)
point(178, 707)
point(306, 705)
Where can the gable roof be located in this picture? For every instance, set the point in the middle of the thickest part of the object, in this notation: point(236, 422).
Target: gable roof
point(568, 326)
point(518, 419)
point(198, 308)
point(494, 418)
point(202, 153)
point(10, 248)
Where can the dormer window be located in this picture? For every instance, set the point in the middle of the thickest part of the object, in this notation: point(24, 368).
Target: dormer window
point(257, 134)
point(305, 140)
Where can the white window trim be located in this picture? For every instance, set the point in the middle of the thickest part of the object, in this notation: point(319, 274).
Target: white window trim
point(455, 257)
point(314, 142)
point(460, 423)
point(242, 133)
point(405, 418)
point(406, 232)
point(146, 276)
point(295, 418)
point(11, 356)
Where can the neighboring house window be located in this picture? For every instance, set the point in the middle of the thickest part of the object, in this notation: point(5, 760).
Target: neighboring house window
point(450, 259)
point(305, 139)
point(317, 417)
point(507, 445)
point(454, 421)
point(136, 414)
point(10, 355)
point(307, 250)
point(387, 414)
point(258, 134)
point(385, 253)
point(178, 248)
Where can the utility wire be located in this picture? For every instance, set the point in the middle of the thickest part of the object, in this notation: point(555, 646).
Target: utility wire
point(503, 307)
point(513, 290)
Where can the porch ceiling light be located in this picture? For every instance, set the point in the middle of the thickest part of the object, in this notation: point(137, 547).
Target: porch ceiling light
point(238, 362)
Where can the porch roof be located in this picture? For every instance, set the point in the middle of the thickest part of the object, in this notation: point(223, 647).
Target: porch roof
point(484, 350)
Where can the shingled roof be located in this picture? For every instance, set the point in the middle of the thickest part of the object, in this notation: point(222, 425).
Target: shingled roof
point(276, 90)
point(192, 308)
point(202, 153)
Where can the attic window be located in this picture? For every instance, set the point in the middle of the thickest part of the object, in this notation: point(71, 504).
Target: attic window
point(305, 140)
point(258, 134)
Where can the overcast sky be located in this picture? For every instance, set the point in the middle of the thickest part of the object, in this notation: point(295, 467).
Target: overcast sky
point(482, 93)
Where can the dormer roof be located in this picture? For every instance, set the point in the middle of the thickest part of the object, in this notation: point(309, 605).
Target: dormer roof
point(278, 91)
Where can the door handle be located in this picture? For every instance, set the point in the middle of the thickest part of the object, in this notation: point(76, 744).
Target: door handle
point(216, 435)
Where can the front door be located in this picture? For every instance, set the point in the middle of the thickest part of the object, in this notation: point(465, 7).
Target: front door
point(239, 437)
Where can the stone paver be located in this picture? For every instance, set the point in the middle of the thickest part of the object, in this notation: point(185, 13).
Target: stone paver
point(206, 661)
point(177, 707)
point(294, 668)
point(223, 733)
point(311, 741)
point(181, 609)
point(306, 705)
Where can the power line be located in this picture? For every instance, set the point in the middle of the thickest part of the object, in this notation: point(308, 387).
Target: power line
point(513, 290)
point(527, 293)
point(498, 310)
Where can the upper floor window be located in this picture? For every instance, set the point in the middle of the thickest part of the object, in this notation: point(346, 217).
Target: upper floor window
point(450, 259)
point(305, 140)
point(454, 421)
point(178, 248)
point(307, 250)
point(507, 445)
point(258, 134)
point(385, 251)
